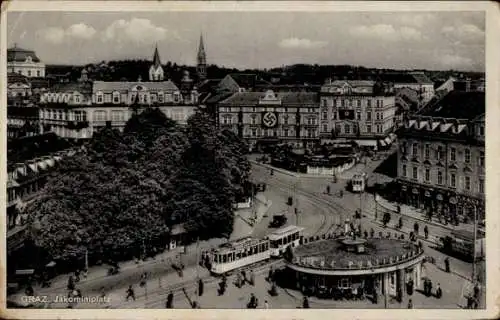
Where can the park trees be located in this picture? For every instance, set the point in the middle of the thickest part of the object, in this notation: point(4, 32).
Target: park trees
point(124, 190)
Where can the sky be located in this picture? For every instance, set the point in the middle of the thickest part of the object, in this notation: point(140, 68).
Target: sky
point(401, 40)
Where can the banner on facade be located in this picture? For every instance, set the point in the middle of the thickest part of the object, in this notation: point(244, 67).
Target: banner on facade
point(453, 200)
point(439, 197)
point(269, 119)
point(346, 114)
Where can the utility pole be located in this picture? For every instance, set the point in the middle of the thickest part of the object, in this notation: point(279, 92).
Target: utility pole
point(197, 257)
point(474, 246)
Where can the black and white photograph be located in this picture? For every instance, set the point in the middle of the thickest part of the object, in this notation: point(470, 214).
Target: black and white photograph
point(185, 157)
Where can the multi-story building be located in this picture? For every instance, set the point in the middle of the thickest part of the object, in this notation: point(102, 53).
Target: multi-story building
point(416, 80)
point(359, 110)
point(24, 62)
point(441, 160)
point(267, 117)
point(76, 110)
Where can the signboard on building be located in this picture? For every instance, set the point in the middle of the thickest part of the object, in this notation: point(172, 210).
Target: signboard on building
point(269, 119)
point(346, 114)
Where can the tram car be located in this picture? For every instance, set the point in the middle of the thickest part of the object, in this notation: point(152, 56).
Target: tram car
point(239, 253)
point(280, 239)
point(358, 182)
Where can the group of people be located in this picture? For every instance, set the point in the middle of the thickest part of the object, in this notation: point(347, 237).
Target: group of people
point(241, 278)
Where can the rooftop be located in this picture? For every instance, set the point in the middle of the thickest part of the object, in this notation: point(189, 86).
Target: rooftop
point(250, 98)
point(406, 78)
point(81, 87)
point(17, 54)
point(457, 105)
point(125, 85)
point(247, 80)
point(331, 254)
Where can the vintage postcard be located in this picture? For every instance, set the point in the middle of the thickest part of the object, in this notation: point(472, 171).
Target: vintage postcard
point(193, 160)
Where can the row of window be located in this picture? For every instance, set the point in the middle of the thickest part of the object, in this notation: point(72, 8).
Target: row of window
point(63, 115)
point(228, 119)
point(29, 73)
point(335, 115)
point(379, 103)
point(115, 97)
point(348, 129)
point(63, 97)
point(452, 182)
point(242, 253)
point(439, 154)
point(254, 133)
point(268, 108)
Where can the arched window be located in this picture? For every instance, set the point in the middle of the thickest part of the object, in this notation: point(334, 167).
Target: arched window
point(116, 97)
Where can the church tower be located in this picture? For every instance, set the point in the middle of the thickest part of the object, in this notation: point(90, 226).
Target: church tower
point(156, 70)
point(201, 67)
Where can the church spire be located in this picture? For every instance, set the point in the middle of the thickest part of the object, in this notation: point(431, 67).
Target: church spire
point(156, 58)
point(201, 60)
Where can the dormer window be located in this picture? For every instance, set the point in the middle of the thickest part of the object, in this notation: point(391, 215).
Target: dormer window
point(29, 59)
point(160, 96)
point(77, 98)
point(100, 97)
point(176, 97)
point(116, 97)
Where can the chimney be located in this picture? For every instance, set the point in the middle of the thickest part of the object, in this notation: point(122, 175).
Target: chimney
point(139, 79)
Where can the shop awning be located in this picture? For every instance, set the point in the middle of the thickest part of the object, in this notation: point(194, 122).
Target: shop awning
point(23, 272)
point(382, 143)
point(366, 143)
point(388, 140)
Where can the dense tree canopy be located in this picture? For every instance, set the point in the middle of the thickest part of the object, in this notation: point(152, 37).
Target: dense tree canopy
point(128, 188)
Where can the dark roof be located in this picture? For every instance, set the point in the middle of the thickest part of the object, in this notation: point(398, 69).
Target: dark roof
point(208, 85)
point(405, 78)
point(458, 105)
point(247, 80)
point(19, 55)
point(39, 83)
point(82, 87)
point(250, 98)
point(218, 97)
point(16, 77)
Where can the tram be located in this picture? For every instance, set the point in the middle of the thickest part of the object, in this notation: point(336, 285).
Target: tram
point(280, 239)
point(237, 254)
point(358, 182)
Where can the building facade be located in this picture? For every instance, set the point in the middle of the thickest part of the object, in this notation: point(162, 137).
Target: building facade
point(441, 159)
point(363, 111)
point(267, 117)
point(24, 62)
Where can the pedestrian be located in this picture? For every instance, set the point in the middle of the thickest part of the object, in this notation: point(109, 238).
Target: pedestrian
point(447, 265)
point(409, 288)
point(200, 287)
point(71, 283)
point(85, 273)
point(244, 276)
point(439, 292)
point(372, 232)
point(252, 278)
point(266, 305)
point(305, 303)
point(77, 275)
point(426, 232)
point(170, 299)
point(130, 293)
point(410, 304)
point(252, 304)
point(238, 280)
point(103, 293)
point(366, 234)
point(270, 275)
point(429, 292)
point(29, 290)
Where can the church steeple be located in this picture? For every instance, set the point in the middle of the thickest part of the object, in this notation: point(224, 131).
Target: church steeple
point(156, 58)
point(201, 68)
point(156, 70)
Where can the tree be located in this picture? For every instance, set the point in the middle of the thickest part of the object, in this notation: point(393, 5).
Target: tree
point(149, 125)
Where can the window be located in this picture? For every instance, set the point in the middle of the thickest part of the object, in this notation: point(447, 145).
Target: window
point(427, 151)
point(369, 103)
point(253, 120)
point(453, 154)
point(427, 175)
point(379, 129)
point(347, 129)
point(440, 178)
point(77, 99)
point(99, 98)
point(325, 127)
point(176, 97)
point(29, 73)
point(285, 120)
point(369, 115)
point(350, 103)
point(226, 119)
point(117, 115)
point(481, 185)
point(254, 109)
point(453, 180)
point(415, 173)
point(99, 115)
point(359, 103)
point(116, 97)
point(368, 128)
point(481, 130)
point(467, 156)
point(254, 132)
point(325, 116)
point(414, 150)
point(481, 158)
point(467, 183)
point(342, 102)
point(324, 103)
point(334, 115)
point(439, 153)
point(311, 121)
point(38, 73)
point(404, 170)
point(285, 132)
point(358, 115)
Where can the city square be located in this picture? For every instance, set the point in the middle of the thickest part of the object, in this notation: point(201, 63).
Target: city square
point(154, 181)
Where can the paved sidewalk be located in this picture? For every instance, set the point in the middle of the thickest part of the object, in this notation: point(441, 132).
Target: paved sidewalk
point(244, 223)
point(419, 214)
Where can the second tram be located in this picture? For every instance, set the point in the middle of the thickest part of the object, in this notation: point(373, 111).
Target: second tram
point(280, 239)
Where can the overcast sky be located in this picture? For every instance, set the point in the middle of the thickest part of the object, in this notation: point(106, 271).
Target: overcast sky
point(433, 40)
